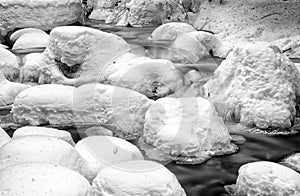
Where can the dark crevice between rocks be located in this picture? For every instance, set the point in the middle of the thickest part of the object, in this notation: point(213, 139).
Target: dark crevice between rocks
point(297, 107)
point(68, 71)
point(220, 1)
point(155, 91)
point(6, 39)
point(296, 121)
point(211, 53)
point(129, 25)
point(155, 86)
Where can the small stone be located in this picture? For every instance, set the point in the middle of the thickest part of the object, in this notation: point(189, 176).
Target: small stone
point(44, 131)
point(30, 70)
point(9, 90)
point(29, 39)
point(9, 65)
point(293, 161)
point(169, 31)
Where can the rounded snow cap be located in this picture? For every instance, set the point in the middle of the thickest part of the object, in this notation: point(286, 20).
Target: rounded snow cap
point(266, 178)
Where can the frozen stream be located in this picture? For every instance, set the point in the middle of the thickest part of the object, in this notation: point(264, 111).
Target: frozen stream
point(208, 179)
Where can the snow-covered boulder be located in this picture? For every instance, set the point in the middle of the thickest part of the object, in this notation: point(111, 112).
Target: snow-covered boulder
point(139, 13)
point(30, 70)
point(9, 64)
point(41, 14)
point(102, 151)
point(119, 61)
point(43, 149)
point(9, 90)
point(43, 131)
point(266, 178)
point(293, 161)
point(29, 39)
point(154, 78)
point(136, 178)
point(199, 45)
point(191, 47)
point(102, 9)
point(37, 179)
point(169, 31)
point(256, 85)
point(185, 130)
point(44, 104)
point(77, 54)
point(194, 76)
point(119, 109)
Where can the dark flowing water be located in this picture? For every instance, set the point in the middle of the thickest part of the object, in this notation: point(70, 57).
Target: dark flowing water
point(208, 179)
